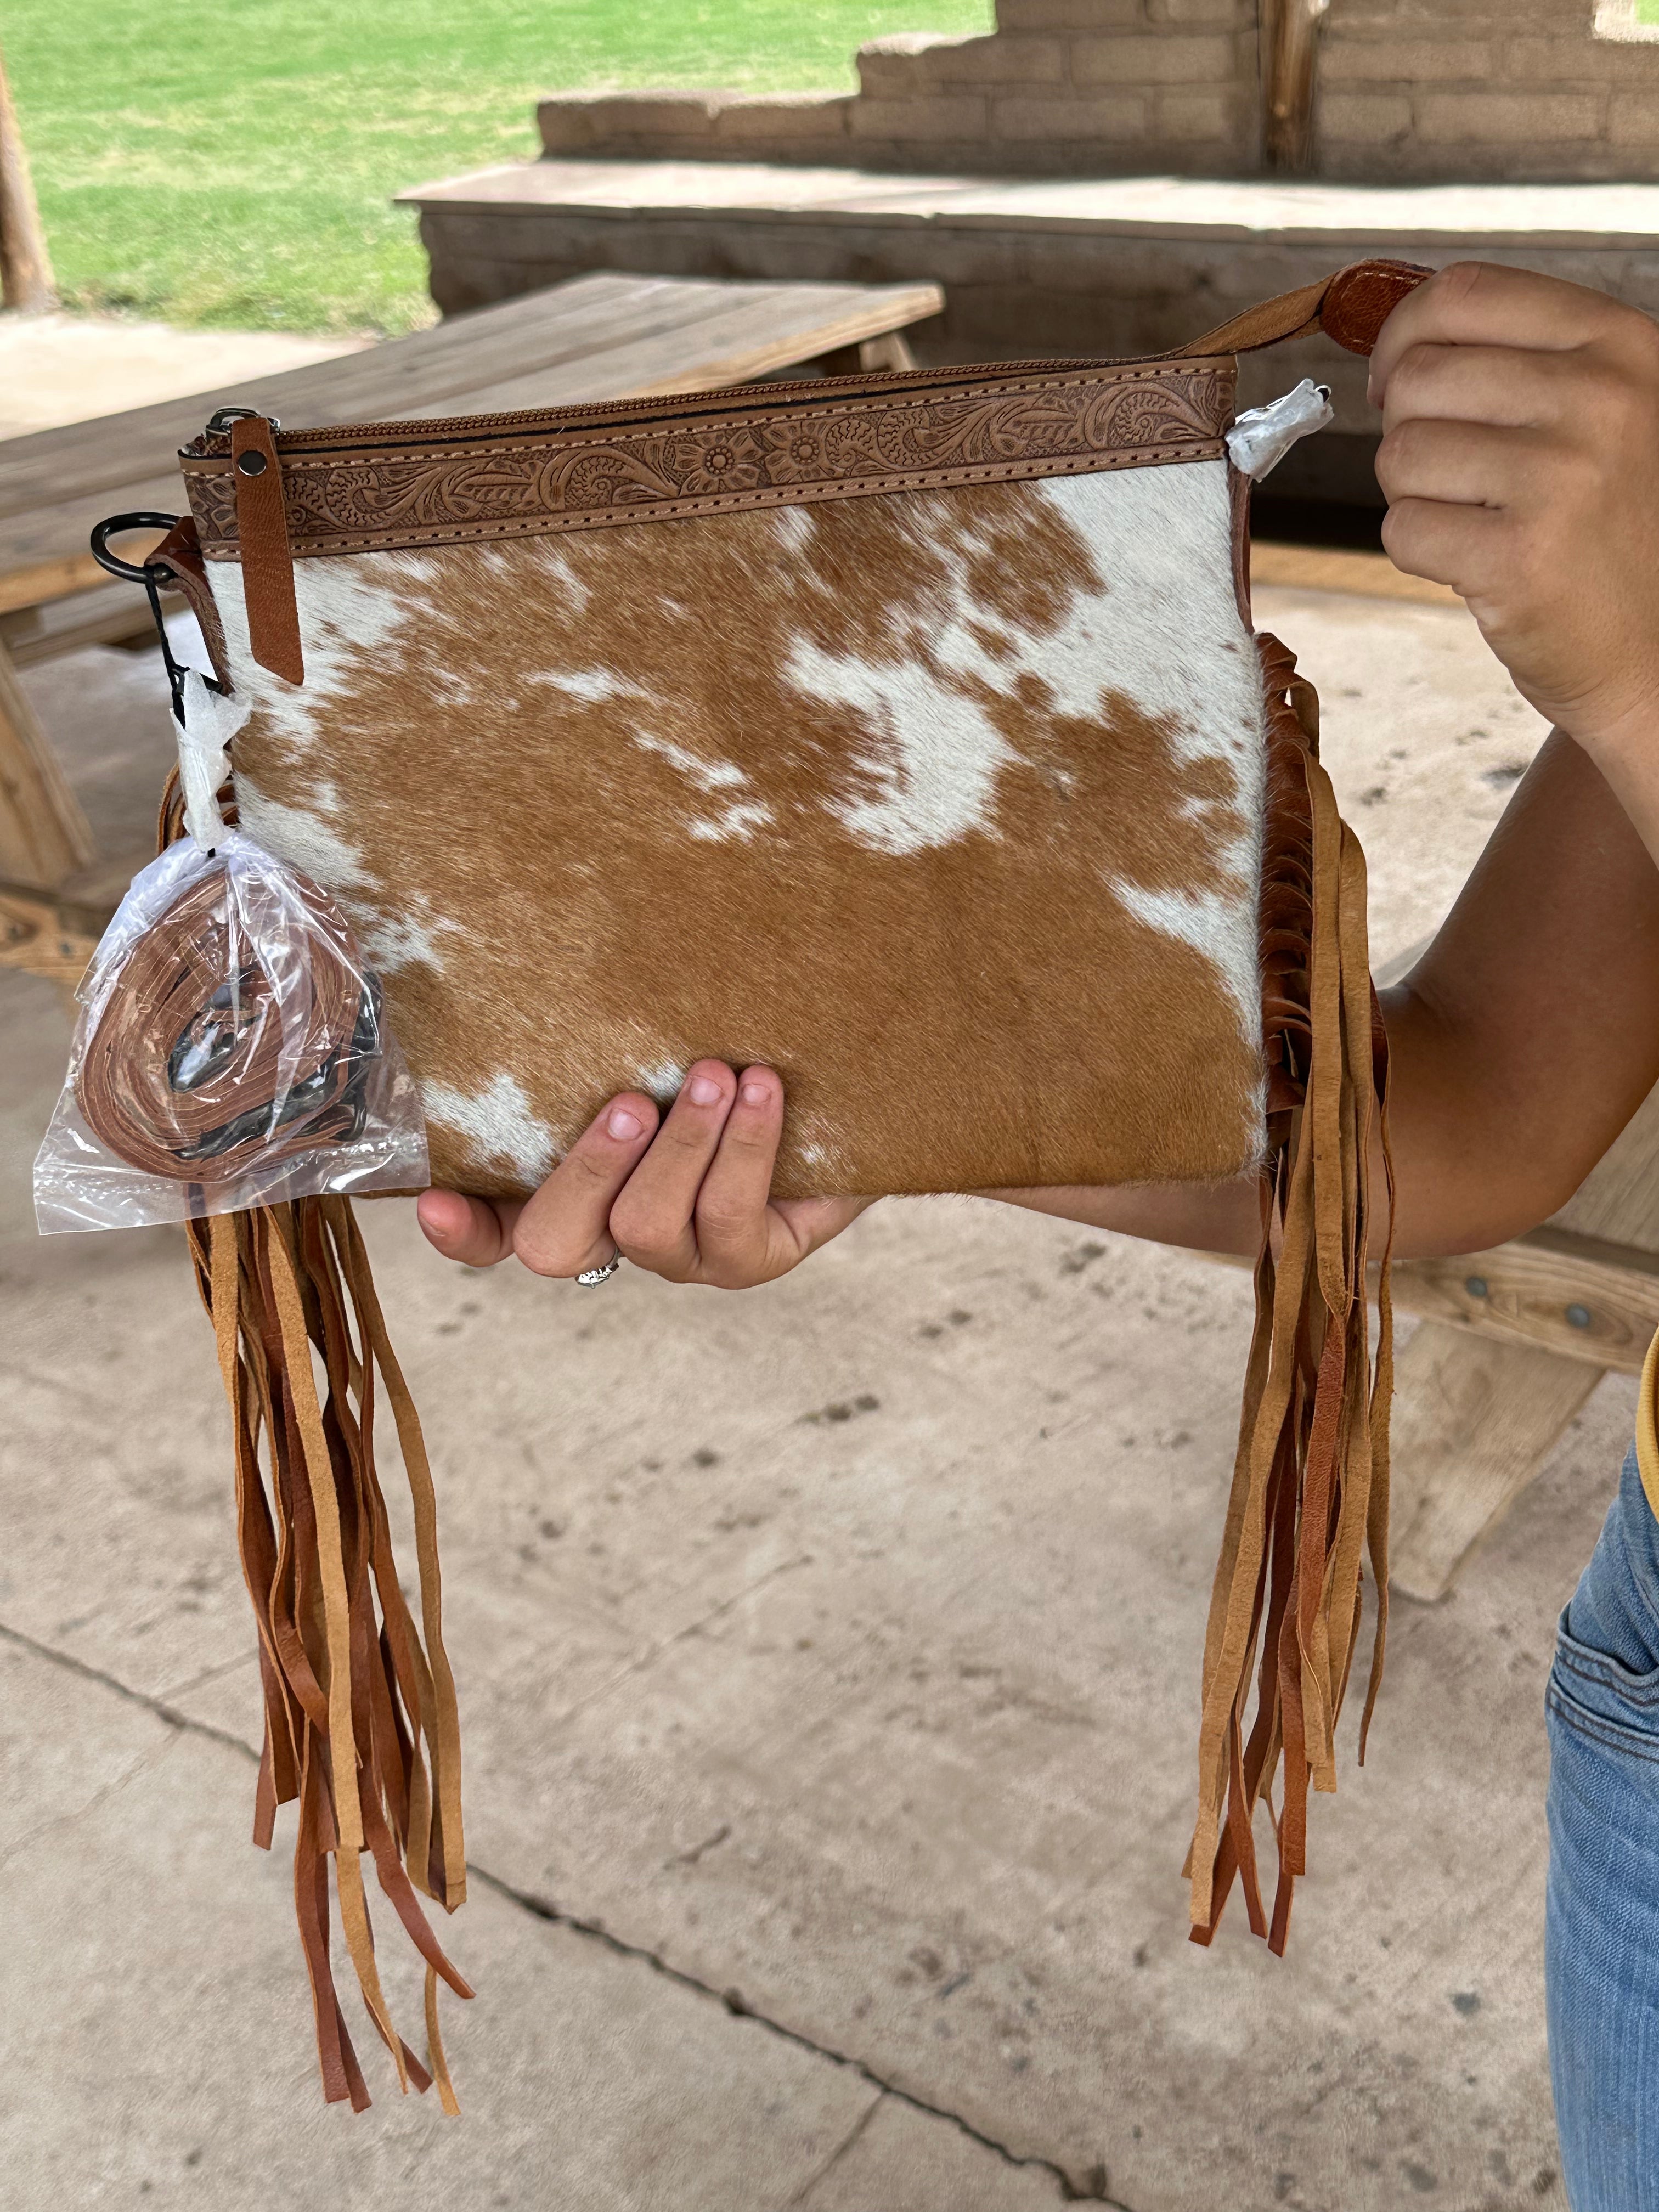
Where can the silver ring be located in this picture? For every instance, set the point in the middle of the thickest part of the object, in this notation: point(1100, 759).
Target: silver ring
point(589, 1276)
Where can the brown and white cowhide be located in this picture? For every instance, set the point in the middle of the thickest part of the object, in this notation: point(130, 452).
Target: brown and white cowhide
point(947, 804)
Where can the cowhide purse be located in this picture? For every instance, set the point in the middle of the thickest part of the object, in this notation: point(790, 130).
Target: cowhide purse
point(907, 732)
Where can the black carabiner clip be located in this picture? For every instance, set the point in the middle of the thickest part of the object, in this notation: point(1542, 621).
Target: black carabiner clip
point(152, 574)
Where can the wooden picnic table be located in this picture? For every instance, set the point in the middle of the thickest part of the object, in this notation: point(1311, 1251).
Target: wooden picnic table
point(601, 337)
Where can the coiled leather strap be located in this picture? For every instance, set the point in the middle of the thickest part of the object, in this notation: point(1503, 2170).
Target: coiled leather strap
point(196, 1070)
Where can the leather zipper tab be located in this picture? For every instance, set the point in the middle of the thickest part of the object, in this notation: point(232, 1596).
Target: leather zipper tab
point(273, 612)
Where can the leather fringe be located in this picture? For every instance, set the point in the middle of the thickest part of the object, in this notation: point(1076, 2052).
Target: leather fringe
point(360, 1716)
point(361, 1724)
point(1311, 1481)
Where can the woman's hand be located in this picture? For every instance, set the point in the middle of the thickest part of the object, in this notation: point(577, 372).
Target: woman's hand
point(688, 1200)
point(1520, 462)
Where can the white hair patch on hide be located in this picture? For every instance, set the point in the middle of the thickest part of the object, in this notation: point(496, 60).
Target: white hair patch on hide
point(931, 774)
point(793, 526)
point(740, 821)
point(498, 1123)
point(350, 610)
point(1208, 920)
point(664, 1082)
point(707, 776)
point(589, 683)
point(412, 938)
point(304, 836)
point(816, 1148)
point(1165, 632)
point(556, 563)
point(1159, 632)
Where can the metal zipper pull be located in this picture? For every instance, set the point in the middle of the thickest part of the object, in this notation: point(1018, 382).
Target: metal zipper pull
point(219, 421)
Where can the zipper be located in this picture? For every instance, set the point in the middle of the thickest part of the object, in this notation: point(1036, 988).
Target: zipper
point(623, 414)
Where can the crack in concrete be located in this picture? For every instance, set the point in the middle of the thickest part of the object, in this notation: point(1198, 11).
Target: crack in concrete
point(73, 1814)
point(1089, 2188)
point(650, 1655)
point(248, 1658)
point(158, 1706)
point(699, 1851)
point(836, 2155)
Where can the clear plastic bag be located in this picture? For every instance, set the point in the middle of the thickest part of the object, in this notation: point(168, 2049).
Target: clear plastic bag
point(231, 1051)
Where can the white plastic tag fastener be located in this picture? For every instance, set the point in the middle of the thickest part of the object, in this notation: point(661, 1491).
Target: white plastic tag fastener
point(1261, 436)
point(210, 721)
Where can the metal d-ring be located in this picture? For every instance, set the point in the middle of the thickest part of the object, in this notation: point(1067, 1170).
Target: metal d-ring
point(117, 525)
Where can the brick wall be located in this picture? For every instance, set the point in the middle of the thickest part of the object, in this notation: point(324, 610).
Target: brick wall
point(1063, 87)
point(1533, 89)
point(1522, 89)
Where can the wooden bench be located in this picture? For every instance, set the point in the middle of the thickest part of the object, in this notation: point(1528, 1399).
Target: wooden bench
point(601, 336)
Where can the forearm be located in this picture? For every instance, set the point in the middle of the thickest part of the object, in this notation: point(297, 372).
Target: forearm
point(1628, 758)
point(1528, 1033)
point(1208, 1217)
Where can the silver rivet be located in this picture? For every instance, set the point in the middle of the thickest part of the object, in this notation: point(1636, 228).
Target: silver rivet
point(252, 463)
point(1475, 1285)
point(1578, 1316)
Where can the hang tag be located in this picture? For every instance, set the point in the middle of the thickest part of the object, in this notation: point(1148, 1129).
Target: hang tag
point(1261, 436)
point(210, 721)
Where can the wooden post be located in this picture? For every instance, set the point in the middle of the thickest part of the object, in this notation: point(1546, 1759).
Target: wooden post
point(1290, 37)
point(25, 279)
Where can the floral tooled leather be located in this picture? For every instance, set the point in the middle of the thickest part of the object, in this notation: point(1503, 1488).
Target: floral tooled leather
point(759, 456)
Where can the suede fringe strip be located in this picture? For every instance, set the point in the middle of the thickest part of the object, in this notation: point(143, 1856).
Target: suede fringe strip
point(1311, 1481)
point(360, 1717)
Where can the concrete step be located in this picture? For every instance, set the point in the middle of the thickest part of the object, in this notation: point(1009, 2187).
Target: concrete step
point(1111, 265)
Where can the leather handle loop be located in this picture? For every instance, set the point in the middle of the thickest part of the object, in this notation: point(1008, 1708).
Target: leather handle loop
point(273, 613)
point(1350, 306)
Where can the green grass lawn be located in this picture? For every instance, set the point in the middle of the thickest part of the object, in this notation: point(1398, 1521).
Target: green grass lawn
point(230, 161)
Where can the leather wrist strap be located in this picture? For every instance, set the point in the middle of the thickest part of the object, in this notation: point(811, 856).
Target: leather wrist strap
point(1350, 306)
point(273, 615)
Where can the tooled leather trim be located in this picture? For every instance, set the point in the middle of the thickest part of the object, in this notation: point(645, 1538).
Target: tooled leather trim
point(1054, 425)
point(1287, 914)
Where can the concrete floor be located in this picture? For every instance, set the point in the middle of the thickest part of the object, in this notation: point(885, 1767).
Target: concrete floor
point(64, 369)
point(829, 1660)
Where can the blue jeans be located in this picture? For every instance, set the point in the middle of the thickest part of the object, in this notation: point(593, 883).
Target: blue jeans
point(1601, 1941)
